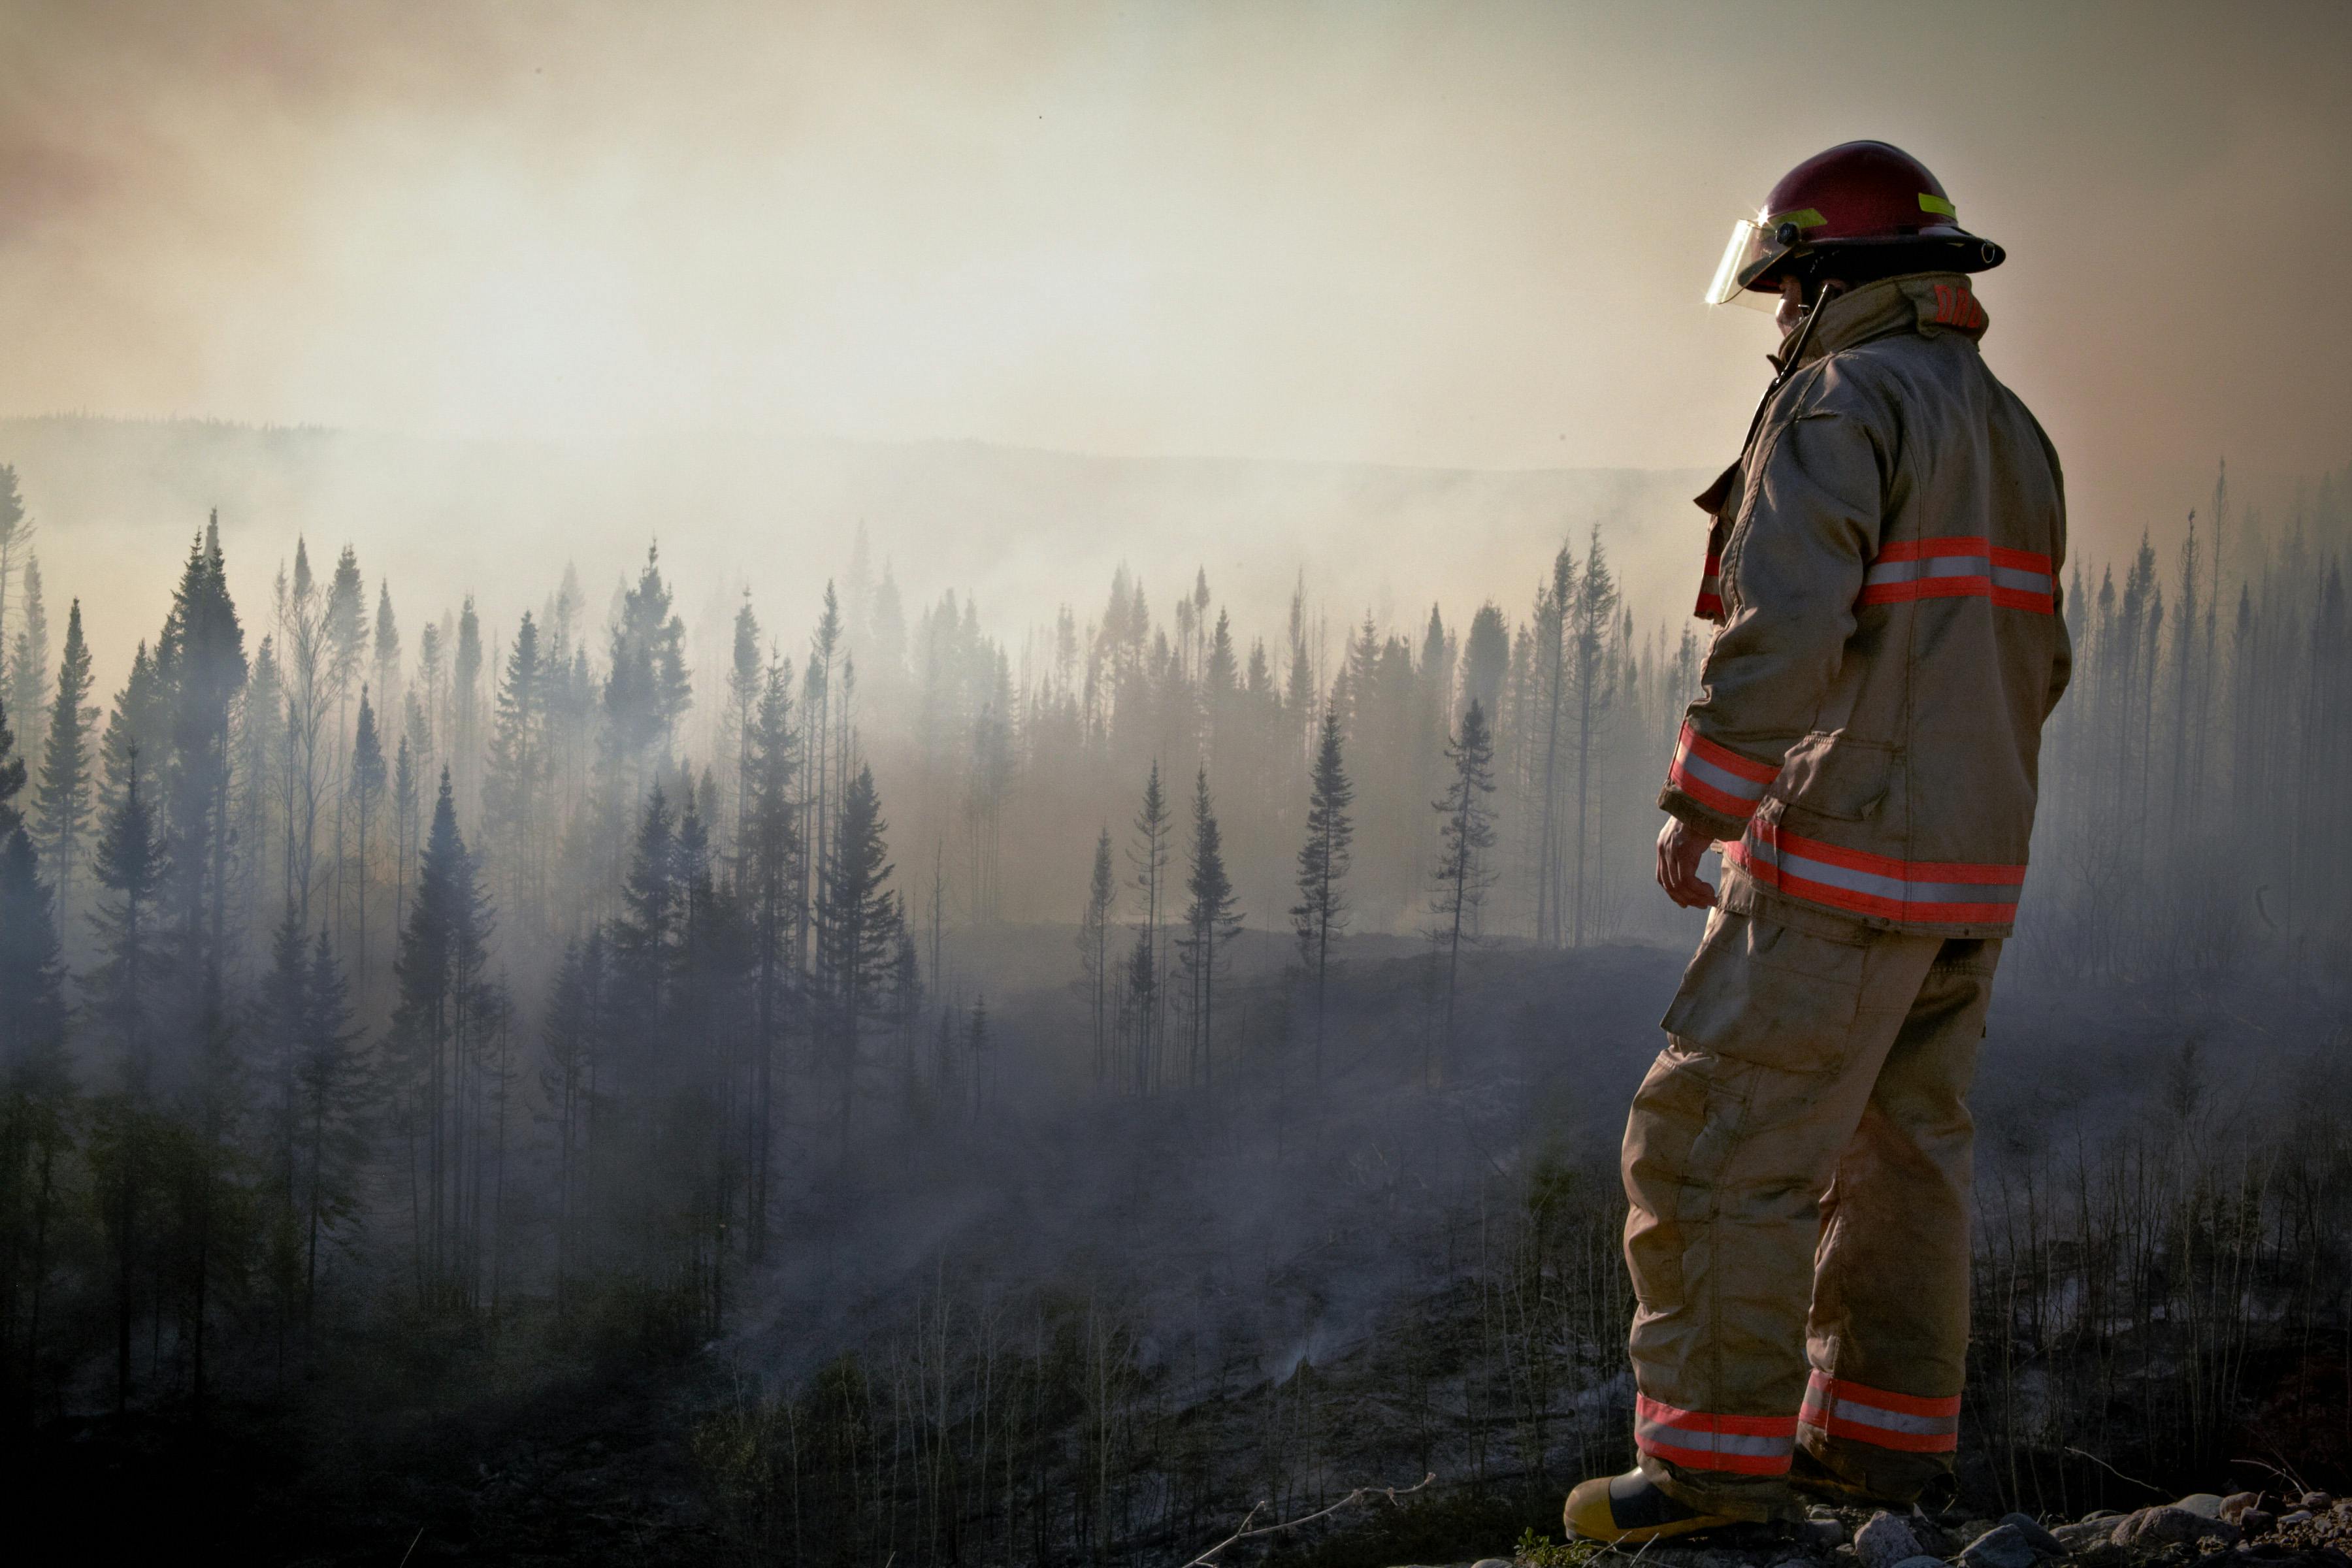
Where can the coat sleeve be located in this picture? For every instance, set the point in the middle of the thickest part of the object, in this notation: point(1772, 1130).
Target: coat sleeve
point(1792, 573)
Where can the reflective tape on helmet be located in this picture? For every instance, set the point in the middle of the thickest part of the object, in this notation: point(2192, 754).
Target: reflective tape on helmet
point(1931, 202)
point(1702, 1440)
point(1909, 1422)
point(1959, 568)
point(1803, 217)
point(1720, 780)
point(1944, 892)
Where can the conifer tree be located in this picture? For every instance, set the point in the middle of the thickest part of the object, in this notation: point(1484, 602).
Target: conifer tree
point(514, 787)
point(26, 688)
point(1211, 922)
point(1094, 952)
point(1593, 683)
point(346, 629)
point(858, 921)
point(443, 1024)
point(367, 793)
point(63, 803)
point(1149, 855)
point(1323, 861)
point(772, 855)
point(1465, 836)
point(200, 663)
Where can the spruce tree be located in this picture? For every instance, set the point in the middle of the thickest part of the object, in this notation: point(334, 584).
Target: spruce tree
point(772, 854)
point(367, 795)
point(1145, 982)
point(1465, 836)
point(64, 803)
point(859, 921)
point(1323, 861)
point(334, 1107)
point(26, 688)
point(514, 788)
point(200, 666)
point(1211, 922)
point(1094, 952)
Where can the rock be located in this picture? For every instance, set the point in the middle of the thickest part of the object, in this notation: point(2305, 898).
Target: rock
point(2204, 1505)
point(1492, 1563)
point(2102, 1513)
point(1922, 1560)
point(2003, 1546)
point(2040, 1539)
point(2237, 1503)
point(1886, 1542)
point(1822, 1534)
point(2299, 1516)
point(2256, 1520)
point(2153, 1527)
point(2083, 1531)
point(2314, 1501)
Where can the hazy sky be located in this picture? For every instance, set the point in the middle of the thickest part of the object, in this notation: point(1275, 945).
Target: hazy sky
point(1456, 234)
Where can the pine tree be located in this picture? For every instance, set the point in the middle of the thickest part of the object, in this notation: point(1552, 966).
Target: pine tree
point(1149, 855)
point(1323, 861)
point(514, 788)
point(367, 791)
point(444, 1023)
point(1594, 684)
point(200, 664)
point(859, 921)
point(26, 688)
point(1211, 922)
point(346, 630)
point(1094, 952)
point(15, 533)
point(63, 805)
point(1465, 835)
point(772, 855)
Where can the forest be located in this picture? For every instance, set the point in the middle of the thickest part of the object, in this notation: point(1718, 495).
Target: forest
point(937, 1095)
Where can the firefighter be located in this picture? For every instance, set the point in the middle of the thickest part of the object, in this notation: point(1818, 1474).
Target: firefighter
point(1883, 568)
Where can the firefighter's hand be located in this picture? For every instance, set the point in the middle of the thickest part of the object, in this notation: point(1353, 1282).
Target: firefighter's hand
point(1680, 848)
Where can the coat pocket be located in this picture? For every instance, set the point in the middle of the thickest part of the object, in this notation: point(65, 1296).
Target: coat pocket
point(1835, 775)
point(1761, 992)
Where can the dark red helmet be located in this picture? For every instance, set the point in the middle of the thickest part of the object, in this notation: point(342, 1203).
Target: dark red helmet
point(1857, 197)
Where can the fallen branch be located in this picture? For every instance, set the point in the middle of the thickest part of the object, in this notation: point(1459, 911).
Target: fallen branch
point(1362, 1494)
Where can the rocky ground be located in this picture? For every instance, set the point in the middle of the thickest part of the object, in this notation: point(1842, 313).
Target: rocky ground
point(2310, 1530)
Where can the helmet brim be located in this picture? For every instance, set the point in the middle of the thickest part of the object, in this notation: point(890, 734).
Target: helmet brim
point(1943, 249)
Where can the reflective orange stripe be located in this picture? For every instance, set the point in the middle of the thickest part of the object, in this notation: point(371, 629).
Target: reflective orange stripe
point(1947, 891)
point(1702, 1440)
point(1720, 779)
point(1964, 566)
point(1915, 1424)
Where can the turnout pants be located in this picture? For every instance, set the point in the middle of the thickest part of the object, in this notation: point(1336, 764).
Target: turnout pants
point(1798, 1163)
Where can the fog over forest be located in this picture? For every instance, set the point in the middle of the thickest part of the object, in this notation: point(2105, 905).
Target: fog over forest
point(1022, 1095)
point(874, 784)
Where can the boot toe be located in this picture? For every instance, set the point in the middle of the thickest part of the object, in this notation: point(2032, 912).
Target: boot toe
point(1629, 1508)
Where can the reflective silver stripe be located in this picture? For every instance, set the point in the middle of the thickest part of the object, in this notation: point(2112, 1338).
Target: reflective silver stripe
point(1957, 566)
point(1793, 864)
point(1890, 1420)
point(1706, 773)
point(1712, 1442)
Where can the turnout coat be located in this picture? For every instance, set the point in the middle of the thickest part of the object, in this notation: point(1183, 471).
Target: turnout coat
point(1866, 737)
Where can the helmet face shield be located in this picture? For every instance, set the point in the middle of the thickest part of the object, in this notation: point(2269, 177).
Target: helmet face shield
point(1751, 244)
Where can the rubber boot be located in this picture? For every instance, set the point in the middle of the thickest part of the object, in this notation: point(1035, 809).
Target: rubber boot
point(1628, 1510)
